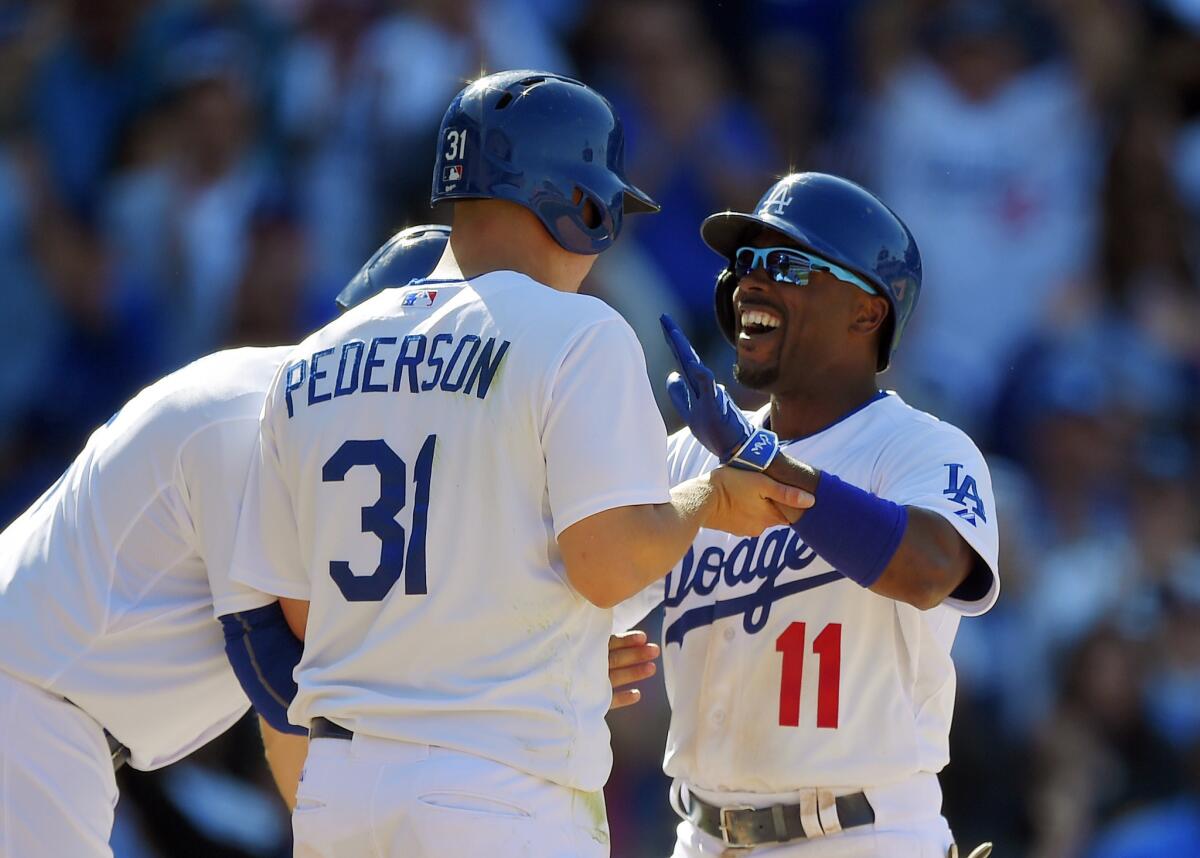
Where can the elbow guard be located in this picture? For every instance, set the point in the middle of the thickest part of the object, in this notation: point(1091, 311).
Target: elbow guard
point(264, 652)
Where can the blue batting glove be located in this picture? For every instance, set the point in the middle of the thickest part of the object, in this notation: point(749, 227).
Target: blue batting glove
point(710, 411)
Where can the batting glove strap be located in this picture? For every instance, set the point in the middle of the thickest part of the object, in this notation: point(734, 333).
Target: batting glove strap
point(757, 453)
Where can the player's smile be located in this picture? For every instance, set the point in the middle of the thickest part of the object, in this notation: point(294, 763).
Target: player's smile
point(758, 327)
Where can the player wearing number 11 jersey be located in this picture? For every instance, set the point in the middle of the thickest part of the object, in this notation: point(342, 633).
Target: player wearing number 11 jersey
point(809, 669)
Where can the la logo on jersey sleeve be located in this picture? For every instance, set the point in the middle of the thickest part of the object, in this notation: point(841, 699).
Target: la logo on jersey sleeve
point(964, 491)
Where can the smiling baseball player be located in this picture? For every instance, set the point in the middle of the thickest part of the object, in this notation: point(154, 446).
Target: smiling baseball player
point(110, 582)
point(809, 669)
point(446, 478)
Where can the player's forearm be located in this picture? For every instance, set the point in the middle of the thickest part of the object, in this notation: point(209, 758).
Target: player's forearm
point(792, 472)
point(617, 553)
point(285, 758)
point(931, 561)
point(620, 552)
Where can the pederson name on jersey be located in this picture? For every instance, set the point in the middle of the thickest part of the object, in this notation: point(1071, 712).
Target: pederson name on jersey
point(416, 363)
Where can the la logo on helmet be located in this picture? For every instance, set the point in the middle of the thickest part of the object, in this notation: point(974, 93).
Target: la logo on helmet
point(778, 201)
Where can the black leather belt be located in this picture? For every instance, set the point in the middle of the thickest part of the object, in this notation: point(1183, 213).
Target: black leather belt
point(323, 728)
point(750, 826)
point(119, 753)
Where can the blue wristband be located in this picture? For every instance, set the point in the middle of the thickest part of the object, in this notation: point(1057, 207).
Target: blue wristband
point(856, 532)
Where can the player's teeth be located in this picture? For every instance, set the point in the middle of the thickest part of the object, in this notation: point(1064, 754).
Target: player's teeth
point(758, 317)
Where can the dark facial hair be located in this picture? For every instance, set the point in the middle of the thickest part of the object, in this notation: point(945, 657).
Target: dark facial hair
point(756, 378)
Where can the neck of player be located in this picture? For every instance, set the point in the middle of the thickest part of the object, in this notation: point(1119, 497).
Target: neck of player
point(496, 235)
point(819, 403)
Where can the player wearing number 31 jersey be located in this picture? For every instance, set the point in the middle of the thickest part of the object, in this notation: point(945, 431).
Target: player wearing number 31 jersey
point(809, 669)
point(445, 478)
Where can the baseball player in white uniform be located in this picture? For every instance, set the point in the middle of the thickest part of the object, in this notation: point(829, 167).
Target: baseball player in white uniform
point(109, 585)
point(446, 479)
point(809, 670)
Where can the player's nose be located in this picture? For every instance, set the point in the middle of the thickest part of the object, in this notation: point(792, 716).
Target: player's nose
point(756, 281)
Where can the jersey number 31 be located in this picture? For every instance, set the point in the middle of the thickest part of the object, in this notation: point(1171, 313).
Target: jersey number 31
point(380, 519)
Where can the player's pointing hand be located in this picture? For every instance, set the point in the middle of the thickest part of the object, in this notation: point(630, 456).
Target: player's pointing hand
point(710, 411)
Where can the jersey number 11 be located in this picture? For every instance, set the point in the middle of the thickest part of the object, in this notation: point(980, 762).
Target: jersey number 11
point(380, 519)
point(827, 646)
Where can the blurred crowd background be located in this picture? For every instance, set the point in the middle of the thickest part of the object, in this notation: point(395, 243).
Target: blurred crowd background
point(177, 176)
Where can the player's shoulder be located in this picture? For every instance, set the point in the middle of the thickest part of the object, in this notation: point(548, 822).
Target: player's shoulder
point(225, 385)
point(218, 378)
point(220, 393)
point(558, 309)
point(560, 322)
point(902, 425)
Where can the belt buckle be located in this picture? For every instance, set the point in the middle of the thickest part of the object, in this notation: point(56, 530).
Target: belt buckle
point(726, 824)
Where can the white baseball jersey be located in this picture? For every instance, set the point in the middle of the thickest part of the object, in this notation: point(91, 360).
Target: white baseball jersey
point(781, 673)
point(418, 458)
point(110, 584)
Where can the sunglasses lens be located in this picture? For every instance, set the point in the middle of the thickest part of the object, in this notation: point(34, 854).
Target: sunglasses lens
point(788, 267)
point(743, 262)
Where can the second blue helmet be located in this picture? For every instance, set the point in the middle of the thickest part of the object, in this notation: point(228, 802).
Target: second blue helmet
point(409, 255)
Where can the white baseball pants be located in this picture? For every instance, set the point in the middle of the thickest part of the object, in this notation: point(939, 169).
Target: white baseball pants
point(57, 790)
point(376, 798)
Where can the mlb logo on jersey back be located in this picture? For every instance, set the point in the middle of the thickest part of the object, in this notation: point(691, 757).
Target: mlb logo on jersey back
point(453, 173)
point(419, 298)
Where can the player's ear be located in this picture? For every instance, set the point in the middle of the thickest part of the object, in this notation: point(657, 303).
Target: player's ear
point(870, 313)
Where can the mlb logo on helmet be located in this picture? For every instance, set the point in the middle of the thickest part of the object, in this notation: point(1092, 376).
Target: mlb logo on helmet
point(419, 298)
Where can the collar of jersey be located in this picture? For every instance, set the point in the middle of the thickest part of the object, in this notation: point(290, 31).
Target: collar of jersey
point(879, 394)
point(426, 281)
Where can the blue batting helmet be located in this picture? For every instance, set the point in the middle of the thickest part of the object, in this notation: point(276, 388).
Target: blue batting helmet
point(407, 256)
point(837, 220)
point(536, 138)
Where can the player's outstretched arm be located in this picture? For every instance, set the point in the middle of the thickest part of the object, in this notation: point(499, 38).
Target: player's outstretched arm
point(614, 554)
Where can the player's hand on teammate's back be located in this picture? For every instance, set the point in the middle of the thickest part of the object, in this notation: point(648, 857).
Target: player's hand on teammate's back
point(746, 503)
point(710, 411)
point(630, 659)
